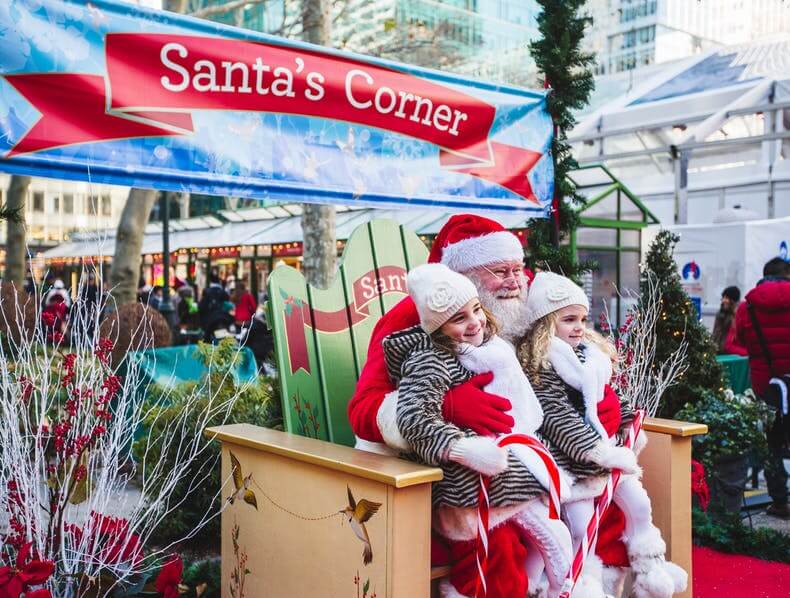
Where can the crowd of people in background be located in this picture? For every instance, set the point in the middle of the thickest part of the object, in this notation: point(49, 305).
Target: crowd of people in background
point(222, 309)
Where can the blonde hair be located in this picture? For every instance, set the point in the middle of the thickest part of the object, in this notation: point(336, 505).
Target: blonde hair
point(452, 346)
point(533, 349)
point(592, 337)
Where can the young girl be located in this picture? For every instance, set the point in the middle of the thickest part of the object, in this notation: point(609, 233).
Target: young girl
point(570, 367)
point(424, 362)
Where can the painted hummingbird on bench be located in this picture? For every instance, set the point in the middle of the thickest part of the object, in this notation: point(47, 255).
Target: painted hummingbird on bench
point(242, 484)
point(357, 514)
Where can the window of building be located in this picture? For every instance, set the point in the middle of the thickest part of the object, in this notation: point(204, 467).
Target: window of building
point(92, 205)
point(647, 34)
point(106, 205)
point(56, 204)
point(68, 203)
point(38, 201)
point(637, 10)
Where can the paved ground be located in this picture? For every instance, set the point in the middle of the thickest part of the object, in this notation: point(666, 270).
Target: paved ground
point(758, 516)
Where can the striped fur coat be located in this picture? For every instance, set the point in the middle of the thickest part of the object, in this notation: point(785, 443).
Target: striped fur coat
point(424, 373)
point(567, 435)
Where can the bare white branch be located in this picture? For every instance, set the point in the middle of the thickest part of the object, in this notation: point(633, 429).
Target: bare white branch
point(639, 379)
point(66, 460)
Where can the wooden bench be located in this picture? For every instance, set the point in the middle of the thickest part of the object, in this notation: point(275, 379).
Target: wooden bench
point(296, 543)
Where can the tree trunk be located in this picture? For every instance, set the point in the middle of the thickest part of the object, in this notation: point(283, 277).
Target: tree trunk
point(129, 243)
point(125, 272)
point(320, 247)
point(318, 221)
point(16, 249)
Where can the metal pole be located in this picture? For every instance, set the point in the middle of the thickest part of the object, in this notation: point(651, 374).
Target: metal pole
point(166, 306)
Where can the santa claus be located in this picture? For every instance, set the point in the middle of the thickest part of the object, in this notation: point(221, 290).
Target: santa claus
point(492, 257)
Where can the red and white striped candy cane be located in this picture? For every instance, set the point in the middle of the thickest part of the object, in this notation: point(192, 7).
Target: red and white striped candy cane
point(481, 550)
point(483, 509)
point(602, 503)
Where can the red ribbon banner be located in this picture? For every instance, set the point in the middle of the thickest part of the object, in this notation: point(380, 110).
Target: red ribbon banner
point(154, 81)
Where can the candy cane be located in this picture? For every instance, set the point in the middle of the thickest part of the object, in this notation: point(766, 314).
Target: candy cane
point(483, 507)
point(602, 503)
point(481, 550)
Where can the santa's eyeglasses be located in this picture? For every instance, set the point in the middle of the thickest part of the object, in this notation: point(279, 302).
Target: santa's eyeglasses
point(503, 273)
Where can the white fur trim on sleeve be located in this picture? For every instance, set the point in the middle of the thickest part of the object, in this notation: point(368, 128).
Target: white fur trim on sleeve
point(387, 422)
point(474, 252)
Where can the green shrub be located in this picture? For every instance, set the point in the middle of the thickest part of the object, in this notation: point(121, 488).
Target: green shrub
point(727, 533)
point(254, 405)
point(207, 571)
point(734, 425)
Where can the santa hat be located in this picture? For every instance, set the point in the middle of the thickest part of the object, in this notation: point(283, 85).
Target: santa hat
point(439, 293)
point(550, 292)
point(467, 241)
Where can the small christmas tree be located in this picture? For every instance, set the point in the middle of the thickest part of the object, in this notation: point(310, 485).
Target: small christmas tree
point(678, 321)
point(568, 73)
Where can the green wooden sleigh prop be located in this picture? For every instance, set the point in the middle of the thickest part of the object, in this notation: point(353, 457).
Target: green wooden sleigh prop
point(307, 471)
point(322, 335)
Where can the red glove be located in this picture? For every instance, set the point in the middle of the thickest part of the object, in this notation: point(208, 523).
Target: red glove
point(468, 406)
point(609, 411)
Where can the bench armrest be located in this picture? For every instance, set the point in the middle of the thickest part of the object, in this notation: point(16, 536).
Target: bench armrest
point(673, 427)
point(380, 468)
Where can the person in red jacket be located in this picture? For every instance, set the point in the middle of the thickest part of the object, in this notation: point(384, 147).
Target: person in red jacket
point(724, 327)
point(493, 258)
point(770, 305)
point(245, 304)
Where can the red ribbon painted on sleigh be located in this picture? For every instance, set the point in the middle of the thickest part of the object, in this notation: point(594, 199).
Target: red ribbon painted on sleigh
point(155, 81)
point(364, 290)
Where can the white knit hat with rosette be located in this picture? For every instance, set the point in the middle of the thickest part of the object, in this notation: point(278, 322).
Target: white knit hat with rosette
point(439, 293)
point(550, 292)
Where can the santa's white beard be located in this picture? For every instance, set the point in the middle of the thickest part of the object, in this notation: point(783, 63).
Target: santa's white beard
point(510, 312)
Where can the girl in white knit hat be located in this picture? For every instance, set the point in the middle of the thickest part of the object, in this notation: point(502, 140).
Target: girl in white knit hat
point(424, 362)
point(570, 367)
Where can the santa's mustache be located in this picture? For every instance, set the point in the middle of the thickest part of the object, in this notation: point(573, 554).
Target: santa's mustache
point(512, 294)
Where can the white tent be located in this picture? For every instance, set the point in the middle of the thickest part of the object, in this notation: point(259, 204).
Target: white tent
point(701, 134)
point(711, 257)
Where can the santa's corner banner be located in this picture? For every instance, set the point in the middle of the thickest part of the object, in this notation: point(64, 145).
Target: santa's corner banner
point(115, 93)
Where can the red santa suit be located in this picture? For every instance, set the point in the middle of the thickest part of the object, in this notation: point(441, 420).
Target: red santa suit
point(465, 242)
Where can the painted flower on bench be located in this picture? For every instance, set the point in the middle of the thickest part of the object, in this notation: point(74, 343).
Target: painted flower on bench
point(357, 513)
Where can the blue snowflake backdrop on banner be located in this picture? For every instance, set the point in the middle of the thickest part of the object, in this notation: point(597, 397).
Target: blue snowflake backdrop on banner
point(247, 153)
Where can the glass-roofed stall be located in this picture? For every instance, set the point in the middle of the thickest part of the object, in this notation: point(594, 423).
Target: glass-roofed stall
point(609, 232)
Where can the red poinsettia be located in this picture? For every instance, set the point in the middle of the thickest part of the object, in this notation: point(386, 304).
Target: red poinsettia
point(170, 577)
point(27, 572)
point(110, 539)
point(118, 544)
point(699, 485)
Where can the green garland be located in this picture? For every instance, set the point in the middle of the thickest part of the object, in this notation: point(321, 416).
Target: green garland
point(567, 68)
